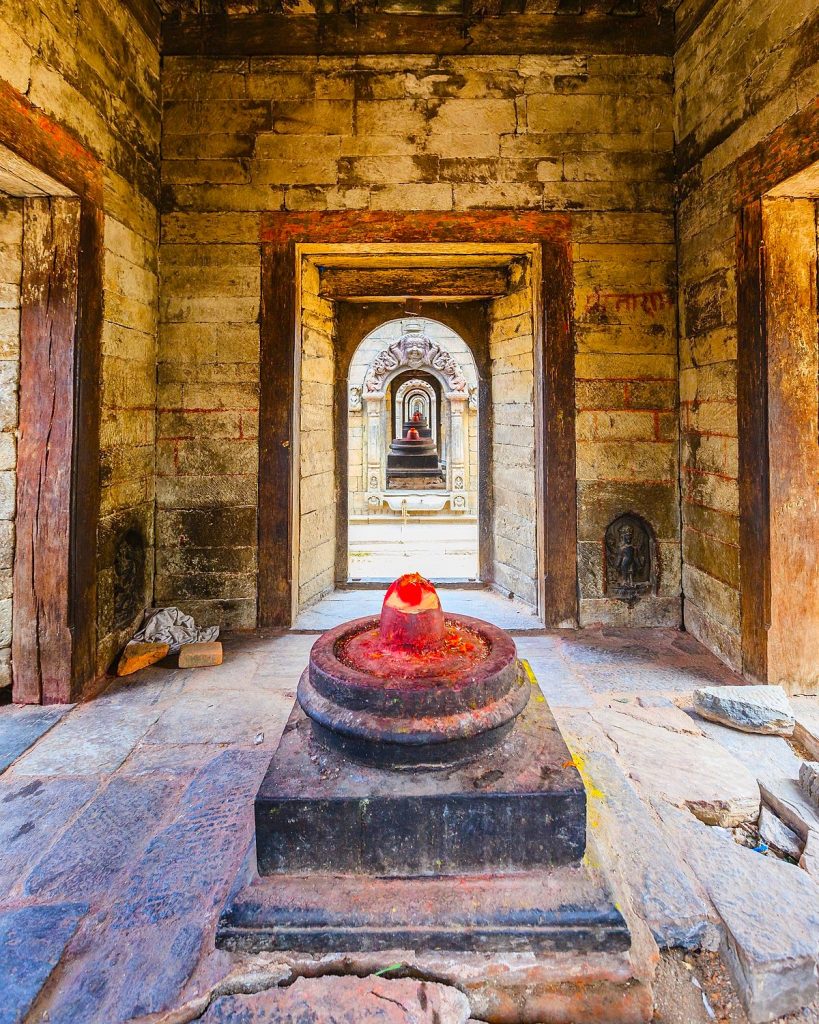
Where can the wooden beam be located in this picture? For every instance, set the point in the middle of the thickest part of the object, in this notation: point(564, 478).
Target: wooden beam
point(258, 35)
point(752, 420)
point(450, 283)
point(559, 496)
point(278, 339)
point(41, 636)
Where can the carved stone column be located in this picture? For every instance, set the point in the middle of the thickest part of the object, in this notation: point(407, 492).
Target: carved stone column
point(458, 448)
point(375, 462)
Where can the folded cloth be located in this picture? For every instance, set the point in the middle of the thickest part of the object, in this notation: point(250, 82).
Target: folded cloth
point(172, 627)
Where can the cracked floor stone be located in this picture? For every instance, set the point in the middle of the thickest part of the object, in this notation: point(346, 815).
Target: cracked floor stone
point(125, 820)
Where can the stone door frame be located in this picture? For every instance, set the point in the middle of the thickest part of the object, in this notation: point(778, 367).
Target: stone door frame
point(787, 151)
point(281, 234)
point(62, 560)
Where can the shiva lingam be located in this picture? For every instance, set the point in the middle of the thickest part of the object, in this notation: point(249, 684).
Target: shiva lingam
point(419, 758)
point(414, 686)
point(414, 454)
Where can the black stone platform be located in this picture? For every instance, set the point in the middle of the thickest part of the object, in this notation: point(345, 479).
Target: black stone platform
point(519, 805)
point(557, 910)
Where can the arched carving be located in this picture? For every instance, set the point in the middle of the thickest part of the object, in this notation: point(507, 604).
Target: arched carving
point(414, 350)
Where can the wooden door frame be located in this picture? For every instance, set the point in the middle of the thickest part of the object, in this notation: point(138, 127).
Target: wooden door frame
point(51, 149)
point(281, 232)
point(791, 148)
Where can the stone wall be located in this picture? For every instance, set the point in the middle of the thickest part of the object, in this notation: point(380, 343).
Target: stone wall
point(589, 135)
point(93, 70)
point(514, 483)
point(11, 266)
point(316, 455)
point(741, 70)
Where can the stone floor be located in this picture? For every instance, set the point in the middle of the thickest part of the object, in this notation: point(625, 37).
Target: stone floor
point(442, 548)
point(342, 605)
point(124, 821)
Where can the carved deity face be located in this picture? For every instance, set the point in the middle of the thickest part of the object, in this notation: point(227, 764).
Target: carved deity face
point(415, 354)
point(627, 534)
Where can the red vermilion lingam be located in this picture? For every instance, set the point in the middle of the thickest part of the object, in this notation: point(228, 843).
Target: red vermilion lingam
point(415, 686)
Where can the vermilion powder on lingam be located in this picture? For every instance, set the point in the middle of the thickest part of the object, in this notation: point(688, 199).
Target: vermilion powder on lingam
point(414, 638)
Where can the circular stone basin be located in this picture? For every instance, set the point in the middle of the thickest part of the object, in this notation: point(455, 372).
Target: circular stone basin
point(401, 705)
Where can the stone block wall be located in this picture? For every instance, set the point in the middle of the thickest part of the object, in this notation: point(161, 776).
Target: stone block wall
point(590, 135)
point(316, 457)
point(92, 69)
point(514, 479)
point(741, 70)
point(11, 267)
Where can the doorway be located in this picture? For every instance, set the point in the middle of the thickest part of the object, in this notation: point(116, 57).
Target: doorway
point(519, 271)
point(412, 454)
point(779, 433)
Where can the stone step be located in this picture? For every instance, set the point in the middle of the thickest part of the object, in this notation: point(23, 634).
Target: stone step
point(565, 909)
point(560, 950)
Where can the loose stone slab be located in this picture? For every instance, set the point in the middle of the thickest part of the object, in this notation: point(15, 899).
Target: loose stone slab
point(200, 655)
point(518, 805)
point(748, 708)
point(21, 727)
point(764, 756)
point(688, 770)
point(770, 910)
point(32, 940)
point(786, 798)
point(652, 876)
point(809, 781)
point(337, 1000)
point(139, 655)
point(777, 834)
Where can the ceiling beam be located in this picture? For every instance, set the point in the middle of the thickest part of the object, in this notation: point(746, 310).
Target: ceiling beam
point(257, 35)
point(452, 283)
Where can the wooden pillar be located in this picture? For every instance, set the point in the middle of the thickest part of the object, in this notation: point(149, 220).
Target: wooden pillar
point(42, 635)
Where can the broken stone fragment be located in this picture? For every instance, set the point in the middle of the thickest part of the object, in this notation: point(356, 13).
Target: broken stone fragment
point(809, 861)
point(201, 655)
point(809, 780)
point(403, 1001)
point(788, 801)
point(749, 708)
point(770, 912)
point(806, 731)
point(778, 836)
point(139, 655)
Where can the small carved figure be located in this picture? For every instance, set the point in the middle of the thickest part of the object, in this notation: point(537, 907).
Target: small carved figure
point(631, 559)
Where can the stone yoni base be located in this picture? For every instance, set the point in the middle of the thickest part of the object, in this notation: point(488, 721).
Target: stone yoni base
point(518, 805)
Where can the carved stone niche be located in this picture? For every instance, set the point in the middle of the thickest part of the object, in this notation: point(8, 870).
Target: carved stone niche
point(631, 563)
point(129, 578)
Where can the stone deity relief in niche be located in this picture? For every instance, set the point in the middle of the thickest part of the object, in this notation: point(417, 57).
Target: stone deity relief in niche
point(631, 562)
point(129, 578)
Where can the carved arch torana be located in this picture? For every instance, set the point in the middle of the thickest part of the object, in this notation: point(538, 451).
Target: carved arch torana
point(413, 350)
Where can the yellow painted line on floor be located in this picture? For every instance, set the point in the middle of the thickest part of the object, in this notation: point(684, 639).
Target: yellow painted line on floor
point(530, 675)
